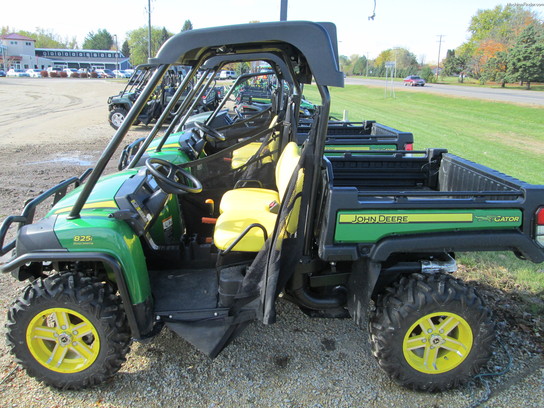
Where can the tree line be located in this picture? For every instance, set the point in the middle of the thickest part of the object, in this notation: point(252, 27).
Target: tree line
point(135, 46)
point(506, 45)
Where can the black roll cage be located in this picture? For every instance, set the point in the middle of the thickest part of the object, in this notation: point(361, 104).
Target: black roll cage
point(307, 50)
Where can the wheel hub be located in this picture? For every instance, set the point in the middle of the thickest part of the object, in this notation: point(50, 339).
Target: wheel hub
point(64, 339)
point(436, 340)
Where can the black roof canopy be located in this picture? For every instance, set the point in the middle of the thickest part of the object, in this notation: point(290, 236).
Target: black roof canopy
point(310, 47)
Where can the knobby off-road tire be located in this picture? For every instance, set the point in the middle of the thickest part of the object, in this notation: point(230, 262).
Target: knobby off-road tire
point(116, 117)
point(431, 333)
point(68, 330)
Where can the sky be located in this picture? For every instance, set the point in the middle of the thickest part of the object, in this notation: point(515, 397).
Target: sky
point(414, 24)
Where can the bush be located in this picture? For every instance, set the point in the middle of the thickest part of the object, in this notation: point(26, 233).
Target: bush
point(53, 74)
point(94, 75)
point(44, 74)
point(83, 75)
point(74, 75)
point(63, 74)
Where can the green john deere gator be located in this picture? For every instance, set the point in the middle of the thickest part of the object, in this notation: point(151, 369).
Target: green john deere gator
point(206, 245)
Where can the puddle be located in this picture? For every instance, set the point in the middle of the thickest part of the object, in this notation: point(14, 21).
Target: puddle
point(77, 160)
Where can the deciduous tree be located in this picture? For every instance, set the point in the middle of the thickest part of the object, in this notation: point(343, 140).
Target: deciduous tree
point(138, 41)
point(102, 40)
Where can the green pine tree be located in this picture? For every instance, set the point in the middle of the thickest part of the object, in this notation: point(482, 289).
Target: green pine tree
point(526, 58)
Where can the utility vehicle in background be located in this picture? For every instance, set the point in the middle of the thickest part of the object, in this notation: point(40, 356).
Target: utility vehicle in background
point(120, 104)
point(207, 244)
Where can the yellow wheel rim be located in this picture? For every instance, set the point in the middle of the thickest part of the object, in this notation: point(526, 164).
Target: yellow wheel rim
point(63, 340)
point(437, 343)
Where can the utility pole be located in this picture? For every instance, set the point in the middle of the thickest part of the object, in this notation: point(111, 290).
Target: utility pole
point(116, 55)
point(439, 48)
point(149, 28)
point(283, 10)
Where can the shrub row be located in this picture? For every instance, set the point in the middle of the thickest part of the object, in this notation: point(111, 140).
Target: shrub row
point(55, 74)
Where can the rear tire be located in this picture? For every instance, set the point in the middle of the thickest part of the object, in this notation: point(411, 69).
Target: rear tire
point(68, 330)
point(431, 333)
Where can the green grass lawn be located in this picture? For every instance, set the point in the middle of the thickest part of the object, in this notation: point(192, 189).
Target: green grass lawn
point(535, 86)
point(506, 137)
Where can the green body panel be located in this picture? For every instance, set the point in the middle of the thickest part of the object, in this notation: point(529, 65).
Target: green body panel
point(304, 104)
point(102, 197)
point(94, 232)
point(331, 149)
point(369, 226)
point(172, 142)
point(168, 228)
point(170, 151)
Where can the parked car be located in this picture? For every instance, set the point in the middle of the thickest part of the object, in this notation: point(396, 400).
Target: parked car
point(227, 75)
point(71, 72)
point(119, 73)
point(34, 73)
point(58, 70)
point(105, 73)
point(414, 80)
point(17, 73)
point(2, 73)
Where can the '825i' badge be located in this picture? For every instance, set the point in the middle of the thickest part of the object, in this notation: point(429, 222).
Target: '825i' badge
point(83, 240)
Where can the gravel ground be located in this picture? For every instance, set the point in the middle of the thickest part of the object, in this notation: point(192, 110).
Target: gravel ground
point(55, 128)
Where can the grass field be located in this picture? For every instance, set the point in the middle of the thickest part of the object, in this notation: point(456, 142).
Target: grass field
point(536, 86)
point(506, 137)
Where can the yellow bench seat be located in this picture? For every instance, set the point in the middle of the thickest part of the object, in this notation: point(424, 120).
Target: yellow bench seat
point(231, 224)
point(248, 199)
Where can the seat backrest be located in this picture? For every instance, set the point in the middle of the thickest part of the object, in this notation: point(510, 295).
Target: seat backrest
point(286, 166)
point(292, 220)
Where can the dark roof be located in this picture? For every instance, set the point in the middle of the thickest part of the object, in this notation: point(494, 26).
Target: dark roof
point(275, 62)
point(311, 46)
point(15, 36)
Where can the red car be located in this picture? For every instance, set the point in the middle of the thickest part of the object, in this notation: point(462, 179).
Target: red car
point(414, 80)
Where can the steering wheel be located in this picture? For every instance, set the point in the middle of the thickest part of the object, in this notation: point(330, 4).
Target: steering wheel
point(167, 176)
point(208, 131)
point(214, 134)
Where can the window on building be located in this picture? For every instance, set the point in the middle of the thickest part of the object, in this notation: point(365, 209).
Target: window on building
point(73, 54)
point(80, 54)
point(101, 55)
point(28, 43)
point(95, 54)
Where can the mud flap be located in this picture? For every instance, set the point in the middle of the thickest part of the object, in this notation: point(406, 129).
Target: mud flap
point(212, 336)
point(364, 275)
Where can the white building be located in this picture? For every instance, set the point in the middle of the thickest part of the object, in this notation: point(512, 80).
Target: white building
point(18, 51)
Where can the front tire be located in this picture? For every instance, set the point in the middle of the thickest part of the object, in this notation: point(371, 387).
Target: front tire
point(431, 333)
point(68, 330)
point(117, 117)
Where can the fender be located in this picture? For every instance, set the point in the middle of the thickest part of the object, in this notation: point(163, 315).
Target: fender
point(139, 315)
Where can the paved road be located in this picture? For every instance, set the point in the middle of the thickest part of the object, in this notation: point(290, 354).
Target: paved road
point(491, 94)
